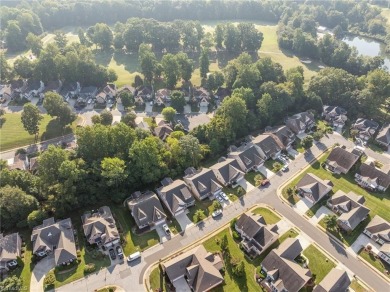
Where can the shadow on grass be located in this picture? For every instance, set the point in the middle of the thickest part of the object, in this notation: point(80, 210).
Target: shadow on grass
point(54, 129)
point(129, 61)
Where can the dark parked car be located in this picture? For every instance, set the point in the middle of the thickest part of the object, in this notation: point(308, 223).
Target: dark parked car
point(112, 254)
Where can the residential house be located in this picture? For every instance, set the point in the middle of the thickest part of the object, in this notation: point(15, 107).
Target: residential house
point(268, 145)
point(247, 157)
point(283, 133)
point(19, 162)
point(159, 101)
point(384, 252)
point(336, 280)
point(202, 96)
point(228, 171)
point(18, 87)
point(88, 92)
point(145, 92)
point(341, 160)
point(301, 122)
point(53, 86)
point(203, 183)
point(378, 230)
point(147, 211)
point(350, 209)
point(335, 115)
point(106, 94)
point(70, 90)
point(5, 93)
point(204, 102)
point(313, 188)
point(163, 130)
point(34, 88)
point(10, 250)
point(256, 235)
point(283, 273)
point(195, 270)
point(55, 237)
point(186, 93)
point(163, 96)
point(383, 137)
point(143, 125)
point(366, 128)
point(222, 93)
point(100, 228)
point(370, 177)
point(126, 88)
point(175, 195)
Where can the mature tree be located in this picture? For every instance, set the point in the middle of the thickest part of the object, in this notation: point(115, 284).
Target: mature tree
point(2, 117)
point(330, 221)
point(60, 39)
point(113, 171)
point(56, 107)
point(111, 75)
point(26, 181)
point(127, 99)
point(198, 216)
point(49, 164)
point(169, 114)
point(96, 119)
point(129, 119)
point(101, 35)
point(247, 76)
point(251, 38)
point(270, 71)
point(204, 63)
point(31, 118)
point(148, 160)
point(178, 101)
point(247, 95)
point(36, 217)
point(16, 205)
point(171, 70)
point(215, 80)
point(148, 62)
point(216, 205)
point(186, 66)
point(24, 67)
point(106, 117)
point(219, 35)
point(307, 142)
point(190, 152)
point(83, 39)
point(14, 37)
point(224, 243)
point(11, 283)
point(34, 43)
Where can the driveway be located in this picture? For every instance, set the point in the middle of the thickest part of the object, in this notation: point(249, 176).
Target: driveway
point(292, 152)
point(203, 109)
point(161, 233)
point(184, 221)
point(302, 206)
point(39, 272)
point(362, 241)
point(247, 186)
point(321, 213)
point(266, 172)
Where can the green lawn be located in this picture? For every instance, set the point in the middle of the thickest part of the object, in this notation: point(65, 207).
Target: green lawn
point(233, 193)
point(250, 177)
point(157, 280)
point(270, 164)
point(380, 265)
point(269, 216)
point(133, 242)
point(298, 146)
point(319, 264)
point(247, 282)
point(174, 226)
point(13, 135)
point(205, 205)
point(313, 210)
point(350, 238)
point(378, 203)
point(357, 287)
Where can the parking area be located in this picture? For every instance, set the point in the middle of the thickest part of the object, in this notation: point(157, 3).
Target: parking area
point(266, 172)
point(247, 186)
point(161, 233)
point(363, 241)
point(184, 221)
point(115, 253)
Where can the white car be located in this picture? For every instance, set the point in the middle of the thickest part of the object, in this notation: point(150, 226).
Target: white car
point(224, 196)
point(166, 229)
point(285, 168)
point(216, 213)
point(219, 199)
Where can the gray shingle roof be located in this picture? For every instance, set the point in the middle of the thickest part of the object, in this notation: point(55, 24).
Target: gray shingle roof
point(205, 181)
point(300, 121)
point(384, 134)
point(371, 172)
point(249, 156)
point(176, 195)
point(285, 135)
point(291, 275)
point(312, 184)
point(335, 281)
point(379, 227)
point(163, 131)
point(146, 209)
point(342, 157)
point(269, 143)
point(229, 170)
point(10, 248)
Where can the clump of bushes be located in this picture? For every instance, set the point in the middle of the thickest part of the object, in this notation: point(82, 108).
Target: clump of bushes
point(89, 268)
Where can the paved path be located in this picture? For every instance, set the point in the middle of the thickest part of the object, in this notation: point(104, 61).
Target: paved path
point(39, 272)
point(267, 195)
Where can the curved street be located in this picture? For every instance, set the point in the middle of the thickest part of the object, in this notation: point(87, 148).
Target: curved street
point(132, 277)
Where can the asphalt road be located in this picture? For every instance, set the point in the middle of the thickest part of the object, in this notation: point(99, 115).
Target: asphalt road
point(131, 277)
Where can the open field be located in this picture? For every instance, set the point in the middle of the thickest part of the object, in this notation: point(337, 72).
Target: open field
point(378, 203)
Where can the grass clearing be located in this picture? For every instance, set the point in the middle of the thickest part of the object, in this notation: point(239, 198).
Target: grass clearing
point(377, 263)
point(205, 205)
point(319, 264)
point(250, 177)
point(13, 135)
point(269, 216)
point(378, 203)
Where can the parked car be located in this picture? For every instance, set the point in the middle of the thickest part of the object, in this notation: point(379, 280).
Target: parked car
point(284, 156)
point(134, 256)
point(285, 168)
point(166, 229)
point(119, 252)
point(224, 196)
point(216, 213)
point(112, 254)
point(265, 182)
point(281, 159)
point(219, 199)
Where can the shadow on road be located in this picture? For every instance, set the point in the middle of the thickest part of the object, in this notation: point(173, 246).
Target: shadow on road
point(340, 249)
point(200, 225)
point(242, 202)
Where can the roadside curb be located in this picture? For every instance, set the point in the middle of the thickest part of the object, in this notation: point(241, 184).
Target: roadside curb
point(196, 243)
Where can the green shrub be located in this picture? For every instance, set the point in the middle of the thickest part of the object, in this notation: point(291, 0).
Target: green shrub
point(233, 223)
point(236, 236)
point(49, 280)
point(89, 268)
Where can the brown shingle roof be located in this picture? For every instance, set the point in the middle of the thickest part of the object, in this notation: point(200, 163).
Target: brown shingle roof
point(371, 172)
point(342, 157)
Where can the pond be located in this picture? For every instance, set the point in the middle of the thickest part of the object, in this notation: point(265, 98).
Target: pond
point(369, 47)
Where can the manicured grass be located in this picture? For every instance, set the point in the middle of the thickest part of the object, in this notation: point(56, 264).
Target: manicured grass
point(133, 242)
point(157, 280)
point(350, 238)
point(378, 203)
point(233, 193)
point(13, 134)
point(174, 226)
point(357, 287)
point(270, 164)
point(377, 263)
point(298, 146)
point(269, 216)
point(205, 205)
point(250, 177)
point(319, 264)
point(313, 210)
